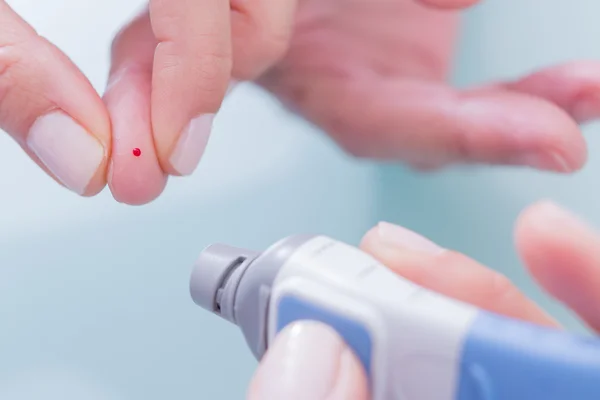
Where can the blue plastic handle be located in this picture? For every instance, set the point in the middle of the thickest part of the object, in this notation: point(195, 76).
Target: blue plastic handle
point(501, 359)
point(506, 359)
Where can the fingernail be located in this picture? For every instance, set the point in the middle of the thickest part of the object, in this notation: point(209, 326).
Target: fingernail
point(306, 361)
point(191, 144)
point(397, 236)
point(549, 161)
point(67, 149)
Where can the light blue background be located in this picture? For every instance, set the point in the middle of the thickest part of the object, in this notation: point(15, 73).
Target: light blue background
point(93, 302)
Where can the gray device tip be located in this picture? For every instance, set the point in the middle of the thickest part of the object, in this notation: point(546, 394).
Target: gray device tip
point(212, 270)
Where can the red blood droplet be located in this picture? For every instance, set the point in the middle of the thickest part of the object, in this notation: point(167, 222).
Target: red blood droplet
point(137, 152)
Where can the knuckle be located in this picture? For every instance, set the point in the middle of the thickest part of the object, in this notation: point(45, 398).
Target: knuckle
point(260, 48)
point(212, 68)
point(10, 58)
point(207, 70)
point(275, 44)
point(11, 54)
point(23, 83)
point(211, 74)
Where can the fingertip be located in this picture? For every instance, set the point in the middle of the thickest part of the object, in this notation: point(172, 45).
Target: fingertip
point(98, 181)
point(531, 242)
point(551, 241)
point(561, 253)
point(529, 219)
point(574, 87)
point(351, 382)
point(69, 152)
point(190, 145)
point(520, 129)
point(403, 251)
point(547, 220)
point(368, 238)
point(309, 360)
point(556, 248)
point(135, 176)
point(134, 186)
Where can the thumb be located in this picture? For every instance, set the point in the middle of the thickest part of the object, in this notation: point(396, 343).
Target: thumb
point(309, 360)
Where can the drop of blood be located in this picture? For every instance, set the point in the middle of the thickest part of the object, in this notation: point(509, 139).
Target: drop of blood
point(137, 152)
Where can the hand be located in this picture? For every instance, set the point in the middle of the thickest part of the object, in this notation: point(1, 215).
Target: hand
point(170, 70)
point(372, 73)
point(309, 361)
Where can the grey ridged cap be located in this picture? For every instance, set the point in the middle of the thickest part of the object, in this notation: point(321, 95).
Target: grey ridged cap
point(212, 271)
point(236, 285)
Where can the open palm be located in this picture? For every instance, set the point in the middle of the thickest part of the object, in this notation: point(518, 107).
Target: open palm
point(372, 73)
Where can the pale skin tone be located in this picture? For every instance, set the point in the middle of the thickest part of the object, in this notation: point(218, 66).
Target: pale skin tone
point(371, 73)
point(559, 250)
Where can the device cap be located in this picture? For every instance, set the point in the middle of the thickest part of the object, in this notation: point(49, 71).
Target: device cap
point(211, 271)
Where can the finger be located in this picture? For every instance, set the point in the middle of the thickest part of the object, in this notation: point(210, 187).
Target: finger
point(449, 273)
point(135, 176)
point(449, 4)
point(429, 125)
point(50, 108)
point(309, 360)
point(574, 87)
point(260, 35)
point(563, 254)
point(191, 72)
point(261, 31)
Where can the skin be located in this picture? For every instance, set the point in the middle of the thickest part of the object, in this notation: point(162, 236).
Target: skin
point(372, 74)
point(559, 250)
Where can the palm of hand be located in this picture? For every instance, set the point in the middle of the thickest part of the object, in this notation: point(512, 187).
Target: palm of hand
point(372, 74)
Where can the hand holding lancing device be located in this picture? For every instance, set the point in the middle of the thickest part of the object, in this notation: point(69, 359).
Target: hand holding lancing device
point(308, 360)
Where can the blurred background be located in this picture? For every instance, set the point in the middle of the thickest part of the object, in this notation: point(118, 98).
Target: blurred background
point(94, 300)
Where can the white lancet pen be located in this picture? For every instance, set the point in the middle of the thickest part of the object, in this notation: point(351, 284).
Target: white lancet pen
point(414, 344)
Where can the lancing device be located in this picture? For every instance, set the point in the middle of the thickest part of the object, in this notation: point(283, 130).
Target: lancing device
point(414, 344)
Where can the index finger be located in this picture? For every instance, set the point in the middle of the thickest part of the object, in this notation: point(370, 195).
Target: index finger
point(450, 273)
point(50, 108)
point(191, 72)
